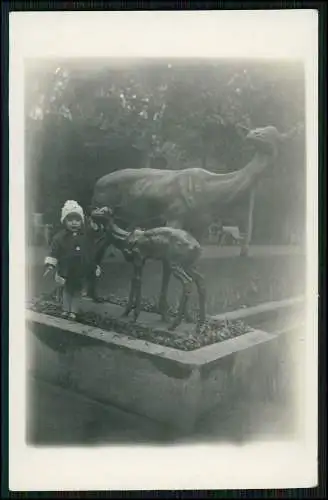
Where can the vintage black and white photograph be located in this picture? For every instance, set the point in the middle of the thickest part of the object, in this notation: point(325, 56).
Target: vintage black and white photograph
point(166, 248)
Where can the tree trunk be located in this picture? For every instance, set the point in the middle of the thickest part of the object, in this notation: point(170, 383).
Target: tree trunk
point(204, 154)
point(204, 159)
point(248, 237)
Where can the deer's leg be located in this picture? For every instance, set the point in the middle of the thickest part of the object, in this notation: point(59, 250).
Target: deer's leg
point(138, 282)
point(200, 284)
point(163, 305)
point(186, 281)
point(133, 286)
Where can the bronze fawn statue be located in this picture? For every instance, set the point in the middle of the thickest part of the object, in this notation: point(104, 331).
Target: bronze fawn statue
point(175, 247)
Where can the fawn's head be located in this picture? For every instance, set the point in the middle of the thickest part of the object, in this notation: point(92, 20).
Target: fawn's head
point(103, 215)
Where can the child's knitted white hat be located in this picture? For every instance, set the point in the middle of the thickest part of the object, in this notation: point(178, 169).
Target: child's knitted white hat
point(71, 207)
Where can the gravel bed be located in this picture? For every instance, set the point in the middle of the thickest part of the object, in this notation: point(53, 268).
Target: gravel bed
point(215, 330)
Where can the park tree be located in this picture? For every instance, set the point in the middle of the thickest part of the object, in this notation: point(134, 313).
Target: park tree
point(86, 119)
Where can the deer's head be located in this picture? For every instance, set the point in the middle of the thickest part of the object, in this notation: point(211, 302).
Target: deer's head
point(267, 140)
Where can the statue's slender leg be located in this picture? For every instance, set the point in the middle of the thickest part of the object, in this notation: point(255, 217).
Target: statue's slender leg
point(128, 256)
point(200, 284)
point(163, 305)
point(186, 282)
point(186, 313)
point(138, 282)
point(130, 303)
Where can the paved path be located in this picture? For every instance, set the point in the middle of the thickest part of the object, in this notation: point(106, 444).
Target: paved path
point(61, 417)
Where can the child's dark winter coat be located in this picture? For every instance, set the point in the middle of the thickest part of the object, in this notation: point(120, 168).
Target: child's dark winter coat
point(74, 256)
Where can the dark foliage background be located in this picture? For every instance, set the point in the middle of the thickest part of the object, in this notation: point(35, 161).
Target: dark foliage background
point(87, 118)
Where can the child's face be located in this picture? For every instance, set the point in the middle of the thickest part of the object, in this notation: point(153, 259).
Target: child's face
point(73, 222)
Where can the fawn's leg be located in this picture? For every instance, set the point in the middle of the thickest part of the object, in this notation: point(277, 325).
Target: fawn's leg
point(186, 314)
point(186, 282)
point(200, 284)
point(163, 305)
point(134, 301)
point(166, 275)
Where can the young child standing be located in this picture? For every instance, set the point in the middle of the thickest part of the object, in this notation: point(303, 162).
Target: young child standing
point(72, 256)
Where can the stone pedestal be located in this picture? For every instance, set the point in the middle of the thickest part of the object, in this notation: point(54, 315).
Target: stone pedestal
point(169, 386)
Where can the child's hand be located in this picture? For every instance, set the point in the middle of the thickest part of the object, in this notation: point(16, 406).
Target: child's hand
point(60, 280)
point(98, 271)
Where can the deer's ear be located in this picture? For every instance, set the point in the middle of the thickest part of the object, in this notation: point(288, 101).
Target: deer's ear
point(242, 130)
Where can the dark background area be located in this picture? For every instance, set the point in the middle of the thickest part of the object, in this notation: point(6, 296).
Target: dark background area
point(86, 118)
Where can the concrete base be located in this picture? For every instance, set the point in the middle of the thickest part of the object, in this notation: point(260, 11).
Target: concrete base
point(169, 386)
